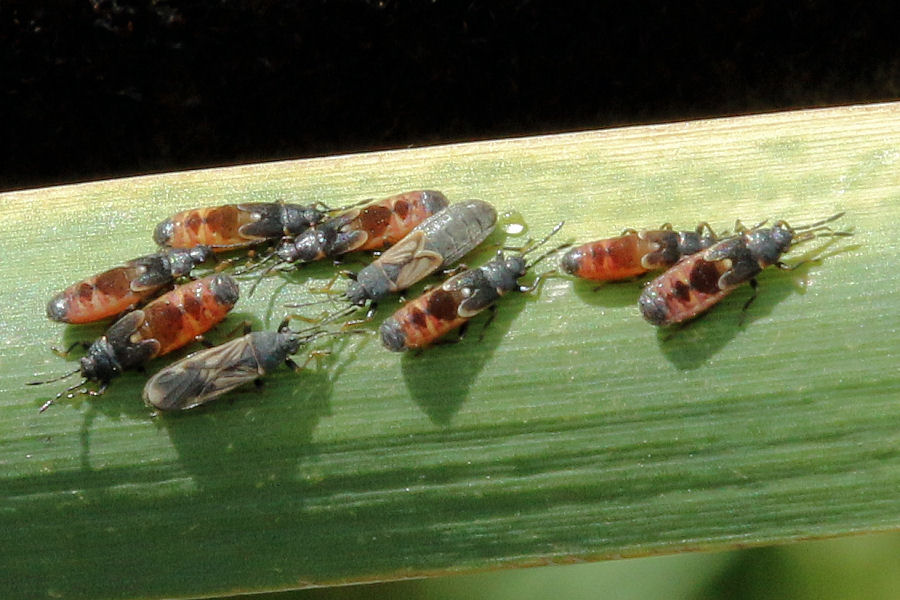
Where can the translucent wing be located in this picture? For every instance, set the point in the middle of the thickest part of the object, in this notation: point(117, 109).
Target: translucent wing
point(422, 265)
point(203, 376)
point(404, 250)
point(415, 261)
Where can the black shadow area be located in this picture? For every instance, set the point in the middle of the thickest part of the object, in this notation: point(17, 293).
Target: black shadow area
point(691, 344)
point(610, 294)
point(269, 427)
point(439, 377)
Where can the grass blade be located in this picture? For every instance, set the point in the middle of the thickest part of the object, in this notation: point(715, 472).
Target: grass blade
point(572, 431)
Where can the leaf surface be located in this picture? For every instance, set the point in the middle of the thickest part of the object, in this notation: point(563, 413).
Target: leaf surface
point(572, 431)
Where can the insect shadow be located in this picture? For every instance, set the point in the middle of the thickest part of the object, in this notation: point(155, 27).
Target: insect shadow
point(692, 344)
point(275, 421)
point(124, 400)
point(438, 378)
point(610, 294)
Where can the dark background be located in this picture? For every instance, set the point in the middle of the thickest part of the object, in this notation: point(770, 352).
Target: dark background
point(101, 88)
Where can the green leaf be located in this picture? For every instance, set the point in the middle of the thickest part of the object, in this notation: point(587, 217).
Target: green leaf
point(573, 430)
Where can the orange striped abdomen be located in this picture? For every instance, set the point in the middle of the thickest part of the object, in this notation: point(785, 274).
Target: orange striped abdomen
point(179, 316)
point(102, 296)
point(390, 220)
point(684, 291)
point(419, 323)
point(217, 227)
point(610, 259)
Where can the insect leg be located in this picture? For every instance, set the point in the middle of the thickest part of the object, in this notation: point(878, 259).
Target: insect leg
point(456, 270)
point(245, 326)
point(327, 289)
point(260, 278)
point(754, 285)
point(460, 334)
point(704, 225)
point(493, 310)
point(739, 227)
point(65, 353)
point(539, 280)
point(787, 267)
point(99, 391)
point(316, 355)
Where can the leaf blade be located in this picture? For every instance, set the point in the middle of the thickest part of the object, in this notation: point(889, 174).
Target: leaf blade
point(571, 431)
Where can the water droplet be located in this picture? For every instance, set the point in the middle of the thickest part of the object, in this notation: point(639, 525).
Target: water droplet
point(513, 223)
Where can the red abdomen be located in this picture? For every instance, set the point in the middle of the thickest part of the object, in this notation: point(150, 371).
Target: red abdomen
point(420, 322)
point(389, 221)
point(684, 291)
point(176, 318)
point(102, 296)
point(217, 227)
point(610, 259)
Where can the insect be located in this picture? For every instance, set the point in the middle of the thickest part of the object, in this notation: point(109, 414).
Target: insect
point(166, 324)
point(114, 291)
point(233, 226)
point(438, 240)
point(420, 322)
point(701, 280)
point(205, 375)
point(372, 227)
point(635, 252)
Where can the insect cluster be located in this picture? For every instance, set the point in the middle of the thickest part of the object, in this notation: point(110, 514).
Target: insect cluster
point(160, 307)
point(701, 268)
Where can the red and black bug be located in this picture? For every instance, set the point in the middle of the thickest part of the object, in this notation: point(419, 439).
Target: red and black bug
point(420, 322)
point(439, 240)
point(166, 324)
point(114, 291)
point(234, 226)
point(635, 252)
point(372, 227)
point(207, 374)
point(701, 280)
point(375, 226)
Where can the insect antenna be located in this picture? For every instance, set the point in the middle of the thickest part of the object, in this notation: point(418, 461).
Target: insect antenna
point(60, 378)
point(327, 317)
point(66, 392)
point(338, 314)
point(817, 229)
point(257, 265)
point(534, 246)
point(531, 245)
point(820, 223)
point(350, 206)
point(311, 334)
point(261, 275)
point(305, 304)
point(226, 247)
